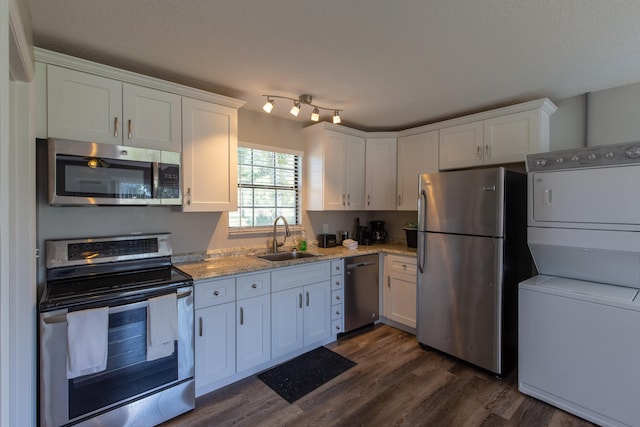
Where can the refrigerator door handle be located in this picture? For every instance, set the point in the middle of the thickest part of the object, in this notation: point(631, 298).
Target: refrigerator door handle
point(422, 224)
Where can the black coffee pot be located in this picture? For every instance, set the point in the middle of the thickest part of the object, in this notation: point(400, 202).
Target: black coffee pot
point(378, 233)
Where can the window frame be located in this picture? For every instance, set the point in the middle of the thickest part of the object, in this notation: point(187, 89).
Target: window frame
point(269, 228)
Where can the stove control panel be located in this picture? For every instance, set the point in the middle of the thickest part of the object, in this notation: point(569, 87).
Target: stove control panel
point(71, 252)
point(605, 155)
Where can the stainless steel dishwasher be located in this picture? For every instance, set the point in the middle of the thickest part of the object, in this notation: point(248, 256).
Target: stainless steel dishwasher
point(361, 291)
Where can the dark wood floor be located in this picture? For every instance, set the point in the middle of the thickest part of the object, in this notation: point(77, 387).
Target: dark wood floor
point(395, 383)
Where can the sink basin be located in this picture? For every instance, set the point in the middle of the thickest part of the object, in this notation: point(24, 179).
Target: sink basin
point(286, 256)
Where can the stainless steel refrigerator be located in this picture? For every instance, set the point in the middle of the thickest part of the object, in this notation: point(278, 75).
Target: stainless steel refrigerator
point(472, 252)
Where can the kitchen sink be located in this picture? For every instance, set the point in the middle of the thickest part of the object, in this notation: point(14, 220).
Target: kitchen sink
point(286, 256)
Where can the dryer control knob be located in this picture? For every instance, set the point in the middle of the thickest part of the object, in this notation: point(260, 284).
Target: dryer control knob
point(591, 156)
point(542, 162)
point(633, 152)
point(609, 155)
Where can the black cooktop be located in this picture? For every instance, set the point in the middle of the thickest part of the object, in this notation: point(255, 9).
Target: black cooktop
point(66, 292)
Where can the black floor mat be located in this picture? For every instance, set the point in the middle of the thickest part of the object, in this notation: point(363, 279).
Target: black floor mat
point(305, 373)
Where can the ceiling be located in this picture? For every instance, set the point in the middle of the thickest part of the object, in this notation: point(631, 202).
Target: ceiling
point(389, 65)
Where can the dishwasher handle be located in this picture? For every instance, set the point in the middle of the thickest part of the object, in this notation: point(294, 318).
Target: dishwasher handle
point(360, 264)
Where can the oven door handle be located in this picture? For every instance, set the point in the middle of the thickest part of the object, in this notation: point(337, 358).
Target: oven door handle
point(62, 318)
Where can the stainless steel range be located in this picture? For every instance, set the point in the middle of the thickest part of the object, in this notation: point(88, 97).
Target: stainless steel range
point(116, 333)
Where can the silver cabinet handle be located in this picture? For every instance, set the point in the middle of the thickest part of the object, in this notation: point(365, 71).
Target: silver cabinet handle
point(241, 316)
point(200, 325)
point(478, 152)
point(368, 199)
point(188, 196)
point(307, 299)
point(343, 199)
point(216, 293)
point(404, 266)
point(337, 327)
point(337, 283)
point(115, 127)
point(130, 129)
point(337, 312)
point(254, 286)
point(388, 281)
point(399, 200)
point(300, 295)
point(338, 297)
point(348, 199)
point(487, 153)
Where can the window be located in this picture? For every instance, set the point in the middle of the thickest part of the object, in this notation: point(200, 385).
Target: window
point(268, 186)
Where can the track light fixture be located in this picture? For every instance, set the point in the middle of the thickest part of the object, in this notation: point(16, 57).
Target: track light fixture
point(297, 104)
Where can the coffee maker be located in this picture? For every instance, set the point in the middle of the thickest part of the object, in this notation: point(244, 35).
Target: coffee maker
point(378, 233)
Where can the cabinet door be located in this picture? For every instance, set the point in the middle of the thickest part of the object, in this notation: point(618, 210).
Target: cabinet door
point(152, 118)
point(416, 154)
point(209, 157)
point(334, 178)
point(510, 138)
point(83, 107)
point(215, 343)
point(253, 331)
point(381, 174)
point(400, 299)
point(461, 146)
point(355, 173)
point(317, 312)
point(286, 321)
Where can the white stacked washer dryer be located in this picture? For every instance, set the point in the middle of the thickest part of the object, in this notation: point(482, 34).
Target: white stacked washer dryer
point(579, 319)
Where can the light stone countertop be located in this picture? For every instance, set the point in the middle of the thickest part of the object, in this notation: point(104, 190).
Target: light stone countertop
point(238, 263)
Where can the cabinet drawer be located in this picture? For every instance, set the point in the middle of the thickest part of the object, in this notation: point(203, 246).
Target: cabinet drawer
point(336, 267)
point(214, 292)
point(336, 297)
point(253, 285)
point(287, 278)
point(336, 283)
point(336, 326)
point(336, 311)
point(403, 265)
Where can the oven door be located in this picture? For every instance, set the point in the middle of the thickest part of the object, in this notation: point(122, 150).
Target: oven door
point(128, 378)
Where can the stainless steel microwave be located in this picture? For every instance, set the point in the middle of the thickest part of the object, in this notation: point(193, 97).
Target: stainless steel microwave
point(88, 173)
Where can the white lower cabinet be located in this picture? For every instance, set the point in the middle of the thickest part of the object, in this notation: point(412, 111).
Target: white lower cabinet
point(399, 294)
point(253, 332)
point(301, 304)
point(337, 296)
point(253, 317)
point(215, 334)
point(248, 322)
point(215, 343)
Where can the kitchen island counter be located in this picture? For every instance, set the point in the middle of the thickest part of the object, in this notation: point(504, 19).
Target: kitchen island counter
point(218, 266)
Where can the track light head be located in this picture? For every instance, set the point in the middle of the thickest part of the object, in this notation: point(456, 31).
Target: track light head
point(315, 115)
point(336, 117)
point(295, 109)
point(268, 106)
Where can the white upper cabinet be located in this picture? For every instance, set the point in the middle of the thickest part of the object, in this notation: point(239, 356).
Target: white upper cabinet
point(88, 107)
point(209, 157)
point(380, 173)
point(462, 146)
point(152, 119)
point(83, 107)
point(416, 154)
point(335, 170)
point(505, 135)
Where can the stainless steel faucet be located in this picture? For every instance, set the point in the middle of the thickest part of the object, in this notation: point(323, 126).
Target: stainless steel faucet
point(276, 245)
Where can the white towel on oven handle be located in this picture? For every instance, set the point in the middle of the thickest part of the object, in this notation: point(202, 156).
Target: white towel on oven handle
point(87, 341)
point(162, 326)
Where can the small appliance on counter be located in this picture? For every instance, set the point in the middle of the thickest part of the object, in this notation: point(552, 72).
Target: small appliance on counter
point(363, 236)
point(327, 240)
point(378, 233)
